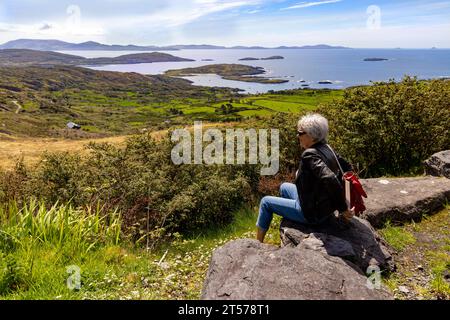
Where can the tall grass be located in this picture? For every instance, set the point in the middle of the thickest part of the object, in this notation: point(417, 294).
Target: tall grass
point(37, 241)
point(60, 225)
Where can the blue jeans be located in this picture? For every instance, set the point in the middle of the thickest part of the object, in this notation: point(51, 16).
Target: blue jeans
point(288, 206)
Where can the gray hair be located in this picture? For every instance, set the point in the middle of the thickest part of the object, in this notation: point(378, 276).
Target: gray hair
point(315, 125)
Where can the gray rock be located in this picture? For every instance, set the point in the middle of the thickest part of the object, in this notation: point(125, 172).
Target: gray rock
point(403, 289)
point(438, 164)
point(357, 242)
point(248, 270)
point(403, 199)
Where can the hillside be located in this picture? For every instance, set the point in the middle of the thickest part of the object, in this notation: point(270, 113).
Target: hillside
point(25, 57)
point(38, 101)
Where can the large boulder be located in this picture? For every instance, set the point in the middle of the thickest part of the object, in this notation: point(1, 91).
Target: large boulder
point(404, 199)
point(357, 242)
point(438, 164)
point(248, 270)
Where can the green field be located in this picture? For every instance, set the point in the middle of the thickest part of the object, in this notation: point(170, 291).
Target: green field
point(112, 103)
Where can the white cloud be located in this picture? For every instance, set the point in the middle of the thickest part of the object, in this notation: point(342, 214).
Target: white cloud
point(177, 13)
point(310, 4)
point(407, 36)
point(53, 29)
point(174, 14)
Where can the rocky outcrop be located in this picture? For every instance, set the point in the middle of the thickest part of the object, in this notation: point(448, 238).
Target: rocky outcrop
point(248, 270)
point(356, 242)
point(438, 164)
point(403, 199)
point(326, 262)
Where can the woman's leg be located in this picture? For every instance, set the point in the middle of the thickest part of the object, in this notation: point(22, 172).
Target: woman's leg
point(287, 208)
point(289, 191)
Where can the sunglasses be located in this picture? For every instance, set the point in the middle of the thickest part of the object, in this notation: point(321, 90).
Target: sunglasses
point(300, 133)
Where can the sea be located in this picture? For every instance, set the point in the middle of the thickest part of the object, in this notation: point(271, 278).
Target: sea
point(303, 68)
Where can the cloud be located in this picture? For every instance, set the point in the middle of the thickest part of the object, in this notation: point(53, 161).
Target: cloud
point(53, 29)
point(310, 4)
point(177, 14)
point(84, 22)
point(46, 26)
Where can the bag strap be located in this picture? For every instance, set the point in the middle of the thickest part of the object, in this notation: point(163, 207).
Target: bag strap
point(346, 183)
point(337, 160)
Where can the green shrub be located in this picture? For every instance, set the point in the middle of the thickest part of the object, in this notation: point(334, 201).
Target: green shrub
point(384, 129)
point(154, 195)
point(391, 128)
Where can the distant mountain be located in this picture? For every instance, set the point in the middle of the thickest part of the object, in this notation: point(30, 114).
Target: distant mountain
point(319, 46)
point(25, 57)
point(196, 46)
point(243, 47)
point(57, 45)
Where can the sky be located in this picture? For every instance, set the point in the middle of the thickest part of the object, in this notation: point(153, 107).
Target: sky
point(357, 24)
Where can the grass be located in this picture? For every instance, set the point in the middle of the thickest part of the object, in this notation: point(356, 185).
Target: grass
point(31, 149)
point(423, 257)
point(112, 103)
point(39, 249)
point(397, 237)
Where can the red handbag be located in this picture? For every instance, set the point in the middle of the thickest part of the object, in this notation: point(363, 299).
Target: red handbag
point(354, 191)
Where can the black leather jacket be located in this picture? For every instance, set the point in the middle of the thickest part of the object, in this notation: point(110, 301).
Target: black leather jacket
point(319, 183)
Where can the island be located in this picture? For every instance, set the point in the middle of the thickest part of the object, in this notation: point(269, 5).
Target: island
point(375, 59)
point(273, 58)
point(235, 72)
point(26, 57)
point(248, 59)
point(268, 58)
point(325, 82)
point(207, 59)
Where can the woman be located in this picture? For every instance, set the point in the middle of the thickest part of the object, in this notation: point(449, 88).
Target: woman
point(318, 191)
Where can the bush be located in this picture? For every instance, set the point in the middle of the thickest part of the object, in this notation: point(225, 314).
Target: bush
point(391, 128)
point(154, 195)
point(384, 129)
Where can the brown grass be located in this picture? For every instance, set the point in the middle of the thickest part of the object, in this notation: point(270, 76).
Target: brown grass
point(32, 148)
point(12, 149)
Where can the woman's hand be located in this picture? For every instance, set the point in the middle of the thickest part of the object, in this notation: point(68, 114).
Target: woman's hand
point(348, 215)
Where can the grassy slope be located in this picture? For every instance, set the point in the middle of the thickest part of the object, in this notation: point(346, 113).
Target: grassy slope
point(30, 150)
point(38, 269)
point(422, 257)
point(124, 271)
point(104, 103)
point(112, 103)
